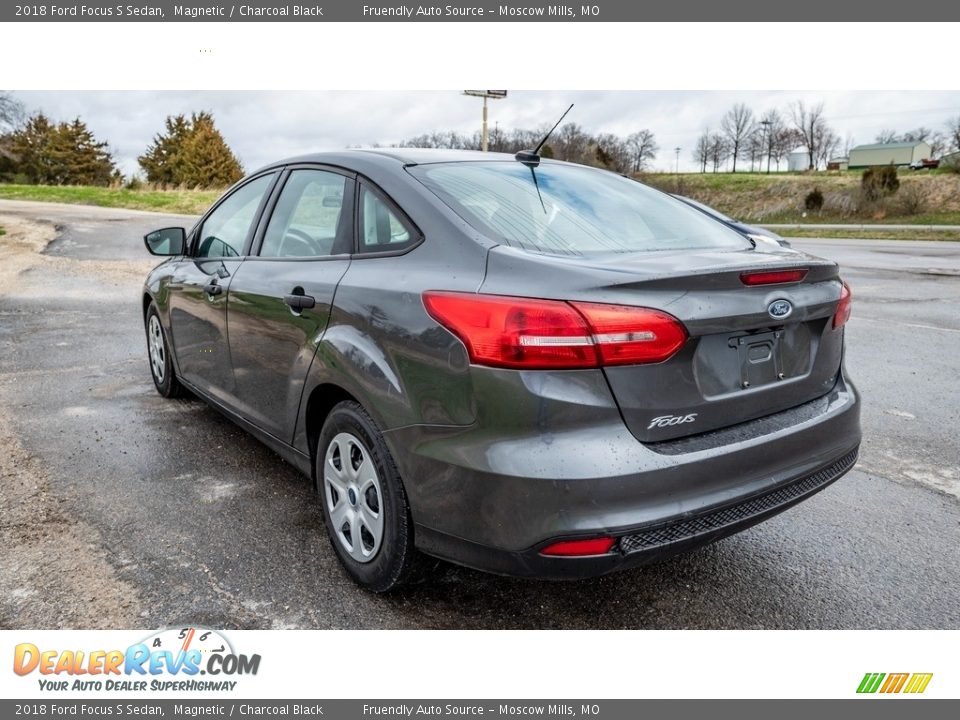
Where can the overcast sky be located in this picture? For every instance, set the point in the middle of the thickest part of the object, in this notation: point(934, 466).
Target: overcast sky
point(263, 126)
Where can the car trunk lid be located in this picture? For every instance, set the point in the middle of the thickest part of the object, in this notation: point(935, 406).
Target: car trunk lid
point(751, 351)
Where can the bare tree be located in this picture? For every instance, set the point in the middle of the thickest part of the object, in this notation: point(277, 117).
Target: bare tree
point(938, 144)
point(830, 142)
point(719, 150)
point(571, 143)
point(812, 128)
point(701, 151)
point(887, 136)
point(953, 133)
point(920, 134)
point(849, 142)
point(643, 148)
point(783, 143)
point(12, 112)
point(756, 147)
point(772, 127)
point(736, 126)
point(613, 153)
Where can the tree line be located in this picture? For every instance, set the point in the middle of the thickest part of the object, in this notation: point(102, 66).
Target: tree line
point(34, 149)
point(630, 154)
point(766, 139)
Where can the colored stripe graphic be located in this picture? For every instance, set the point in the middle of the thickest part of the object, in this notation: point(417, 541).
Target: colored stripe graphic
point(894, 683)
point(918, 683)
point(870, 682)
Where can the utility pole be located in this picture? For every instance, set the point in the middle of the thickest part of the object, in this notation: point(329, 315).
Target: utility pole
point(768, 141)
point(677, 151)
point(486, 95)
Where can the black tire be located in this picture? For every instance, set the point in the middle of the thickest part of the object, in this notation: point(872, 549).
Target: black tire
point(395, 561)
point(165, 380)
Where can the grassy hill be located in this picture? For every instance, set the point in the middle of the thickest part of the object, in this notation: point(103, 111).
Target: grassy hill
point(925, 198)
point(178, 202)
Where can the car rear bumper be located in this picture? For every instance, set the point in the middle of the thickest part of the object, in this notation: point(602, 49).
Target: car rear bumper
point(493, 501)
point(640, 545)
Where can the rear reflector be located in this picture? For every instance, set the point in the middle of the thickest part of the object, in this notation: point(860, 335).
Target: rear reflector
point(844, 307)
point(773, 277)
point(579, 548)
point(527, 333)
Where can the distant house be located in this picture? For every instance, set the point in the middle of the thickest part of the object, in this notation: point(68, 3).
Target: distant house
point(839, 163)
point(896, 153)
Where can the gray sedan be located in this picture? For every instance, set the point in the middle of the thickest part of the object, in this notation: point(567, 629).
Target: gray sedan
point(520, 365)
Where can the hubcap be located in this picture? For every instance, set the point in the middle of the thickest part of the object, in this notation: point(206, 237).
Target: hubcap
point(353, 496)
point(157, 351)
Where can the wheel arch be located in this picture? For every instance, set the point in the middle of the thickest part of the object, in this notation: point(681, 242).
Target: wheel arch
point(147, 299)
point(322, 399)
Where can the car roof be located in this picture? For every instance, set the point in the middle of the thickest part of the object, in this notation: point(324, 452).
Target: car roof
point(391, 158)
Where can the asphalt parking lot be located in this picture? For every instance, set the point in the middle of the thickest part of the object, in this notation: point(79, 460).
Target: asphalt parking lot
point(122, 509)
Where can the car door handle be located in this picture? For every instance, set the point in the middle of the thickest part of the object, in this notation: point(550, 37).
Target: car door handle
point(212, 288)
point(299, 302)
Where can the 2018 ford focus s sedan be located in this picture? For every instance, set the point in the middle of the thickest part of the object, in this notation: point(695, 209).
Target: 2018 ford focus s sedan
point(529, 367)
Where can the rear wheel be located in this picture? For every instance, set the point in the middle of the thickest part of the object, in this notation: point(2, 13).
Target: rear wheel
point(158, 353)
point(364, 503)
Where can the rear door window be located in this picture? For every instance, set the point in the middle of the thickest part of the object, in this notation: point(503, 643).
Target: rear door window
point(309, 219)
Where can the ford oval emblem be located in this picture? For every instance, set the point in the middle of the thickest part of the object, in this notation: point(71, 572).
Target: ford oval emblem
point(780, 309)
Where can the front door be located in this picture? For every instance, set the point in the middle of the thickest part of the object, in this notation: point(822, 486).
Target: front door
point(200, 285)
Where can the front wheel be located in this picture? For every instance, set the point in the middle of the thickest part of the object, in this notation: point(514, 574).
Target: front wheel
point(158, 352)
point(364, 503)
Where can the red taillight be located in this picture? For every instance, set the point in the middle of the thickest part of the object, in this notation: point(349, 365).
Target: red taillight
point(579, 548)
point(534, 334)
point(844, 307)
point(629, 336)
point(773, 277)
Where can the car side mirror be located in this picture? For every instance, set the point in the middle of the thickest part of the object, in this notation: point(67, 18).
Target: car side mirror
point(166, 241)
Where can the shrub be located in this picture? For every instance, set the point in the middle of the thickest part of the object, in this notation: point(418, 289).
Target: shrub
point(913, 199)
point(879, 182)
point(814, 200)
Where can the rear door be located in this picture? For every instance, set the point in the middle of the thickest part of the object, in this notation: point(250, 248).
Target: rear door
point(200, 283)
point(280, 298)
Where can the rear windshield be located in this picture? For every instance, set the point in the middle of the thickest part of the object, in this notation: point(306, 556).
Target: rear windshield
point(571, 210)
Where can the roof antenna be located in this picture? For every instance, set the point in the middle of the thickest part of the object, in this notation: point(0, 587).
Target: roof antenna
point(531, 158)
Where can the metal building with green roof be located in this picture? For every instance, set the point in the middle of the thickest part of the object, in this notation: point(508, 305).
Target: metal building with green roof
point(900, 154)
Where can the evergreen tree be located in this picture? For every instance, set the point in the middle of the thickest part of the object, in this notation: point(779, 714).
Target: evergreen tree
point(161, 161)
point(191, 152)
point(44, 153)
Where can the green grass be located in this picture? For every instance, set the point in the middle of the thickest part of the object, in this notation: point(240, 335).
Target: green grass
point(183, 202)
point(919, 234)
point(2, 231)
point(759, 198)
point(812, 218)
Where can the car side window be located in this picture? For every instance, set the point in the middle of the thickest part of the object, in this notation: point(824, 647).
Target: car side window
point(225, 230)
point(381, 229)
point(308, 220)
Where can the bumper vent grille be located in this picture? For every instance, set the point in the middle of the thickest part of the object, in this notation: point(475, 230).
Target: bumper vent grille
point(736, 514)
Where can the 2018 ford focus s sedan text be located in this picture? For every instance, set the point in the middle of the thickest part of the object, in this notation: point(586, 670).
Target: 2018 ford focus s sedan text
point(528, 367)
